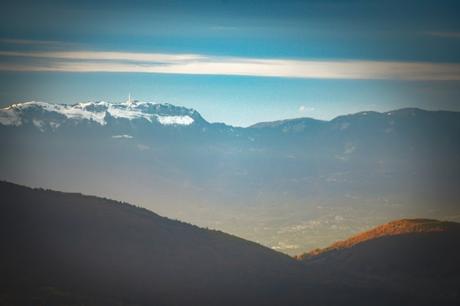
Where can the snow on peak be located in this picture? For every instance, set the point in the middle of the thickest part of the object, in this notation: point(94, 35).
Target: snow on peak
point(98, 112)
point(9, 117)
point(181, 120)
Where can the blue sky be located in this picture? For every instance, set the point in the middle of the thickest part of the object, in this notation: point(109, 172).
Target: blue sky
point(239, 62)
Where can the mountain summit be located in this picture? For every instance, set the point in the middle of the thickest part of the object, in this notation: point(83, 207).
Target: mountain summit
point(48, 115)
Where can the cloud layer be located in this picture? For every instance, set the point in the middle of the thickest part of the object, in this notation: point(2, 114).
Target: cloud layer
point(197, 64)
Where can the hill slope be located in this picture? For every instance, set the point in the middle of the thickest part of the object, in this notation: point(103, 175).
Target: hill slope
point(72, 249)
point(416, 256)
point(394, 228)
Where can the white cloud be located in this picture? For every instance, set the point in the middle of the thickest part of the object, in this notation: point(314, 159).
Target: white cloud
point(99, 61)
point(122, 136)
point(306, 109)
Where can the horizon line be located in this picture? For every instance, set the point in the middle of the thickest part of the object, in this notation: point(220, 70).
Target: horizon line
point(239, 126)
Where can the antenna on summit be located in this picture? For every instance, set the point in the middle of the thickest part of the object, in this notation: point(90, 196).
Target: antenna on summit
point(129, 99)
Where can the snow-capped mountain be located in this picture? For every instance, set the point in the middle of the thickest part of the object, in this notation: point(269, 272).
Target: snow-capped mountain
point(51, 116)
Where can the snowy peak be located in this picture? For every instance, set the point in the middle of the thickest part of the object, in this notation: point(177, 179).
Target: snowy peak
point(48, 114)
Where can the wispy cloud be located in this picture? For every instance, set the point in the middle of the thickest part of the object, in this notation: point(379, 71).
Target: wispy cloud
point(444, 34)
point(29, 42)
point(129, 62)
point(106, 56)
point(40, 44)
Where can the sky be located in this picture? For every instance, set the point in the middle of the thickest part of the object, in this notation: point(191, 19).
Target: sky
point(238, 62)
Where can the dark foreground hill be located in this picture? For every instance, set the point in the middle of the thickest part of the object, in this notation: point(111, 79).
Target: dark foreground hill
point(70, 249)
point(418, 257)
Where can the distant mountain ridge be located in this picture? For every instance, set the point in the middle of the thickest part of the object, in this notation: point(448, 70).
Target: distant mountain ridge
point(304, 174)
point(163, 113)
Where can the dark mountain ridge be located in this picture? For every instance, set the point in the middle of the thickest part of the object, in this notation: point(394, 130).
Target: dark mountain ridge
point(88, 246)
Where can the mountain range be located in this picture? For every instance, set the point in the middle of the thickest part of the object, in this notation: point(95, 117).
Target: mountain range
point(72, 249)
point(292, 185)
